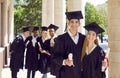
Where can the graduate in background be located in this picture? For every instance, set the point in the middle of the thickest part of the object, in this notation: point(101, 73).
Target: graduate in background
point(68, 48)
point(92, 53)
point(31, 63)
point(50, 46)
point(42, 65)
point(17, 49)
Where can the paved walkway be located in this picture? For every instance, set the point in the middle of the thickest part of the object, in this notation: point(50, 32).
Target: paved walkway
point(6, 73)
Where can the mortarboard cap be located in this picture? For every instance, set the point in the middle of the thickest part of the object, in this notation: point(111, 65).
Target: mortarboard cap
point(74, 15)
point(51, 26)
point(94, 27)
point(25, 29)
point(44, 28)
point(35, 28)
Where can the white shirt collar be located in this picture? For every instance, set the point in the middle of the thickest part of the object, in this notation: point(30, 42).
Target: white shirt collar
point(91, 49)
point(54, 36)
point(43, 40)
point(23, 37)
point(34, 40)
point(52, 39)
point(74, 38)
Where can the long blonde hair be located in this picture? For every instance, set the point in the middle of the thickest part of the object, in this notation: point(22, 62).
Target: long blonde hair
point(85, 46)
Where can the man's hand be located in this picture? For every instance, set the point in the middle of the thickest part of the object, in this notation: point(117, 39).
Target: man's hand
point(69, 62)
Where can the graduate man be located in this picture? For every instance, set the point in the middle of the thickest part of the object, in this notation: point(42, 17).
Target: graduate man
point(68, 48)
point(50, 43)
point(17, 52)
point(31, 63)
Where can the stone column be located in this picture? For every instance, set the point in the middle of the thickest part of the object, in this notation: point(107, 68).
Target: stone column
point(0, 23)
point(77, 5)
point(1, 60)
point(11, 22)
point(114, 38)
point(5, 34)
point(44, 12)
point(59, 16)
point(47, 12)
point(4, 23)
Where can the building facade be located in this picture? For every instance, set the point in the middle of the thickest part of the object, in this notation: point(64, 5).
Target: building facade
point(6, 30)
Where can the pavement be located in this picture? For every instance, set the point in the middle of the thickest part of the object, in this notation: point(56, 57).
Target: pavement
point(6, 73)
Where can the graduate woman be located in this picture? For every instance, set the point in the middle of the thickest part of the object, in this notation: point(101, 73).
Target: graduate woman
point(92, 53)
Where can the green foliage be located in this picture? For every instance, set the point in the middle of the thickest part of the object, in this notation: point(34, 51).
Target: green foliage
point(103, 10)
point(28, 13)
point(92, 14)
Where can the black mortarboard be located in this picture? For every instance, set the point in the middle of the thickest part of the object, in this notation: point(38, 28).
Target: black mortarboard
point(25, 29)
point(44, 28)
point(74, 15)
point(94, 27)
point(35, 28)
point(51, 26)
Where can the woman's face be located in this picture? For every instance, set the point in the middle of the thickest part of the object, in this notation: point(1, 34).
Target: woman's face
point(91, 36)
point(74, 24)
point(44, 34)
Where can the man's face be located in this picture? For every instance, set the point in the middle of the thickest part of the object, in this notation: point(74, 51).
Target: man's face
point(26, 34)
point(35, 33)
point(51, 32)
point(74, 24)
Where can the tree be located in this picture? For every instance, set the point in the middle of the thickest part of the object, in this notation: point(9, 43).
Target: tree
point(102, 9)
point(27, 13)
point(92, 15)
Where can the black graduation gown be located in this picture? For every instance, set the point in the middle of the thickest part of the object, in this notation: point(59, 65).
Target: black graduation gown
point(50, 49)
point(31, 62)
point(64, 46)
point(43, 62)
point(92, 64)
point(17, 49)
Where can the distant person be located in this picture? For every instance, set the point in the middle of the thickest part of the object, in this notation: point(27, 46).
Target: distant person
point(17, 52)
point(92, 53)
point(50, 43)
point(31, 63)
point(43, 62)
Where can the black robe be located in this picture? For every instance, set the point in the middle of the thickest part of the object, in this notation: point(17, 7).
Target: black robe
point(92, 64)
point(17, 49)
point(64, 46)
point(43, 61)
point(50, 49)
point(31, 62)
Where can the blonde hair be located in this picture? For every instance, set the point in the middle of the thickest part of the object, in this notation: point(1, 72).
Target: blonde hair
point(85, 46)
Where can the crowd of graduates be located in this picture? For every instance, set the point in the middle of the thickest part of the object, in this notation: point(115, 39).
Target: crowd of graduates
point(69, 55)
